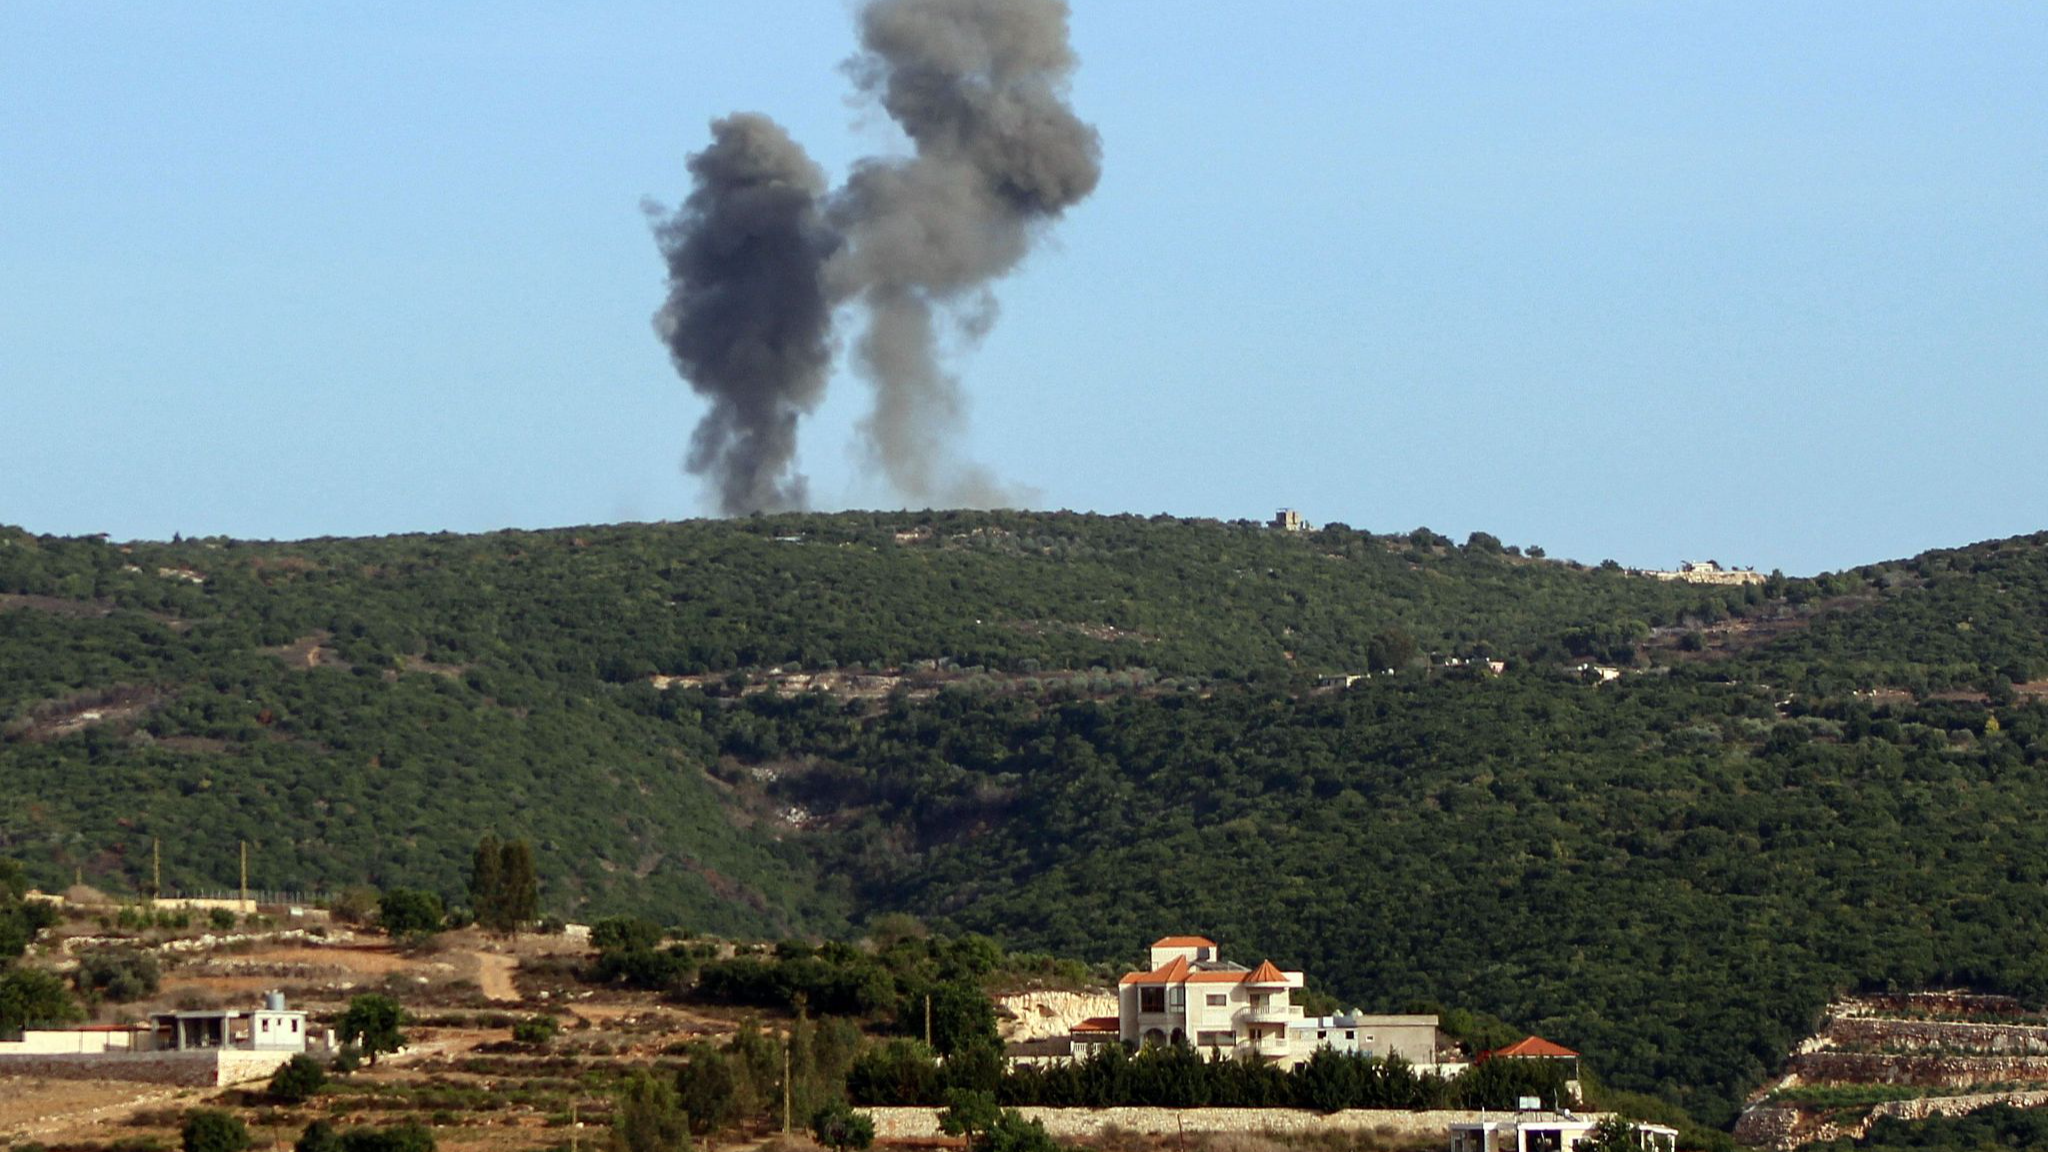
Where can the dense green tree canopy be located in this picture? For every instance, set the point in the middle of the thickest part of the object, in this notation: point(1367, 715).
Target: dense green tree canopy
point(1077, 733)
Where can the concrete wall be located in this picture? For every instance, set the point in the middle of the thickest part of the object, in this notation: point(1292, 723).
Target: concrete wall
point(58, 1041)
point(186, 1069)
point(1083, 1123)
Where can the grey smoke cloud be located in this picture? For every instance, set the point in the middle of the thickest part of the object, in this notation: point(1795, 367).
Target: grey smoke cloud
point(747, 322)
point(910, 246)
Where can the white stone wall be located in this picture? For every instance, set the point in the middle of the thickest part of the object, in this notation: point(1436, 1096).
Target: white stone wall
point(1084, 1123)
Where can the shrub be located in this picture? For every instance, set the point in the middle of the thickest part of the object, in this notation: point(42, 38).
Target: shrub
point(118, 974)
point(297, 1079)
point(536, 1030)
point(319, 1136)
point(211, 1130)
point(405, 911)
point(838, 1127)
point(625, 934)
point(411, 1136)
point(354, 905)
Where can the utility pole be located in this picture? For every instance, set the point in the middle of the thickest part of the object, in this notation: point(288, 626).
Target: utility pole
point(927, 1019)
point(156, 868)
point(786, 1094)
point(245, 879)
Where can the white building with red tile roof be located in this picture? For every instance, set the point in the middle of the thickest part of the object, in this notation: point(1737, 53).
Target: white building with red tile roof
point(1192, 995)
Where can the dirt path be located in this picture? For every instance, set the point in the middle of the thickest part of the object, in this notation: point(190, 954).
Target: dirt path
point(494, 975)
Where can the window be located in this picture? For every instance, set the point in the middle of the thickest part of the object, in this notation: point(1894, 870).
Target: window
point(1218, 999)
point(1321, 1034)
point(1151, 999)
point(295, 1025)
point(1350, 1035)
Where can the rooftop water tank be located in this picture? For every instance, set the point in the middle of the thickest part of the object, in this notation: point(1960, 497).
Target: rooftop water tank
point(274, 1001)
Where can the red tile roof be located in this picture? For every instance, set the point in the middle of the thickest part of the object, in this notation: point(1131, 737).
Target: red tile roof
point(1098, 1024)
point(1533, 1046)
point(1183, 942)
point(1266, 973)
point(1174, 972)
point(1177, 971)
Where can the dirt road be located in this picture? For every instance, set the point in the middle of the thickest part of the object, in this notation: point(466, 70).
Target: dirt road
point(494, 975)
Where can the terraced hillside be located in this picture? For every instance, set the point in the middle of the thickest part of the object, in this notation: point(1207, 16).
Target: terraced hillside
point(1902, 1057)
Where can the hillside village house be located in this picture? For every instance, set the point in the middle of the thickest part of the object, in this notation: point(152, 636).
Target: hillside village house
point(271, 1028)
point(1192, 995)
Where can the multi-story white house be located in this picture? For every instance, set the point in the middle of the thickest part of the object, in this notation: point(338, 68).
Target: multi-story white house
point(1192, 995)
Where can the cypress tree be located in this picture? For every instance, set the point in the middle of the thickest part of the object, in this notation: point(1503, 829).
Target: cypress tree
point(487, 882)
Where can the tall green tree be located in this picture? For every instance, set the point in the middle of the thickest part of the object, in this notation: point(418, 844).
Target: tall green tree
point(372, 1024)
point(648, 1117)
point(519, 892)
point(504, 887)
point(969, 1114)
point(708, 1089)
point(487, 880)
point(31, 997)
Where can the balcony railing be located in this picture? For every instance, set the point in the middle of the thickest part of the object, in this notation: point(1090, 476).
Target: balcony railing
point(1269, 1045)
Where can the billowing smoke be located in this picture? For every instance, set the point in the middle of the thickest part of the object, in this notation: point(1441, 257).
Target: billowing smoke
point(758, 257)
point(747, 322)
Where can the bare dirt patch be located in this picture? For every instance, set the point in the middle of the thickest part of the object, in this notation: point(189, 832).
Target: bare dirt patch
point(309, 652)
point(494, 975)
point(43, 1110)
point(367, 958)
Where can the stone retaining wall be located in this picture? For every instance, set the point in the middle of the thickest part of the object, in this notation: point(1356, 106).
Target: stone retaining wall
point(1083, 1123)
point(1786, 1126)
point(183, 1069)
point(1925, 1069)
point(1952, 1105)
point(1942, 1035)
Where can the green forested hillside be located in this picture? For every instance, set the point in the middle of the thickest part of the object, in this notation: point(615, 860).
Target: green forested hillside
point(1107, 728)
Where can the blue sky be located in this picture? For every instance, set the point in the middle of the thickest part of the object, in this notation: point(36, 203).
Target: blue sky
point(1760, 282)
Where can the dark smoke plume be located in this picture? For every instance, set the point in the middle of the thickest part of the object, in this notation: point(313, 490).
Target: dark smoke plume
point(914, 243)
point(746, 321)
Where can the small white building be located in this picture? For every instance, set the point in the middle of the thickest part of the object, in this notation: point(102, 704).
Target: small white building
point(271, 1028)
point(1548, 1132)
